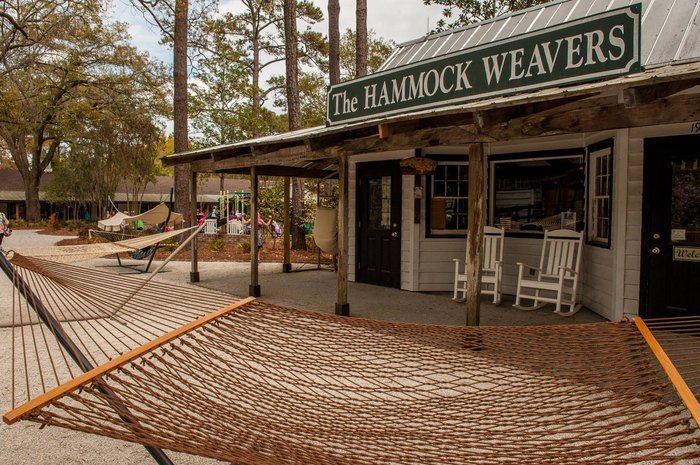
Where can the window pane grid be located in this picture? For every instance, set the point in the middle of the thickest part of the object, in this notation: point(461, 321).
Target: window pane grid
point(600, 202)
point(449, 201)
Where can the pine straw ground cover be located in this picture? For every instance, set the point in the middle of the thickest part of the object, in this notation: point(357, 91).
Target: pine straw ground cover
point(216, 249)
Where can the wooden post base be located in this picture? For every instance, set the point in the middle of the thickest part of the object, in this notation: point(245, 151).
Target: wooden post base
point(254, 290)
point(194, 276)
point(286, 267)
point(342, 309)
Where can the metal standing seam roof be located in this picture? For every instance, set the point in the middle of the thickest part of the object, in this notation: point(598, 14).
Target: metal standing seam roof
point(670, 30)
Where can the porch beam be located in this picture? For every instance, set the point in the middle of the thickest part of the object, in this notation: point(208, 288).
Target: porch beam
point(676, 109)
point(635, 96)
point(249, 159)
point(286, 171)
point(489, 117)
point(475, 229)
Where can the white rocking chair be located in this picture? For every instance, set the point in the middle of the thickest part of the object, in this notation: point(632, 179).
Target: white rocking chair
point(491, 271)
point(557, 275)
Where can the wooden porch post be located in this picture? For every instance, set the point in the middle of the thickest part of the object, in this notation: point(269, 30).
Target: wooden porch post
point(254, 288)
point(342, 307)
point(194, 270)
point(475, 225)
point(287, 264)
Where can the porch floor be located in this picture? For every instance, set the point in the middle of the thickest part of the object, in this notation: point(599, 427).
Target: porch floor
point(316, 290)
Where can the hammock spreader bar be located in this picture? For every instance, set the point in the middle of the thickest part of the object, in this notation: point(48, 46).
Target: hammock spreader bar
point(685, 393)
point(93, 373)
point(64, 340)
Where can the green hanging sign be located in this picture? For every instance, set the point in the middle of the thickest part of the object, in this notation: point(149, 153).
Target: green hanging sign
point(592, 48)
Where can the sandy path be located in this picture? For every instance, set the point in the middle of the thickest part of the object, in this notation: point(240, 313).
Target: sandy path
point(24, 443)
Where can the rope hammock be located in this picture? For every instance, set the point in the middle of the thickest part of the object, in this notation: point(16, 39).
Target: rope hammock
point(76, 253)
point(184, 369)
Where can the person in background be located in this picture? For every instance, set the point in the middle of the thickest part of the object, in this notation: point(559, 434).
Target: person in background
point(262, 225)
point(4, 227)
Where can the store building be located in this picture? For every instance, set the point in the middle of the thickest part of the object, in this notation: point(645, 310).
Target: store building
point(575, 114)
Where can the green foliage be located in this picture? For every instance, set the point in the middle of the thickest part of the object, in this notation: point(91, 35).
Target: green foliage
point(457, 13)
point(218, 244)
point(378, 50)
point(271, 199)
point(68, 73)
point(244, 244)
point(313, 84)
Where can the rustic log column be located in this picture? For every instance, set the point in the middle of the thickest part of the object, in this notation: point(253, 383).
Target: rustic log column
point(194, 270)
point(475, 225)
point(254, 288)
point(342, 307)
point(287, 263)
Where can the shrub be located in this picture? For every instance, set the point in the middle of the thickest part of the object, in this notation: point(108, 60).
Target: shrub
point(218, 244)
point(244, 244)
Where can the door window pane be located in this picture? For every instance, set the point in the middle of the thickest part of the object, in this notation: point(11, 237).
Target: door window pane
point(380, 203)
point(685, 200)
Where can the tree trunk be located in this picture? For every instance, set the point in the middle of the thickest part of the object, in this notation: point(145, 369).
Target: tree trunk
point(292, 65)
point(298, 234)
point(182, 172)
point(294, 115)
point(334, 41)
point(32, 198)
point(361, 38)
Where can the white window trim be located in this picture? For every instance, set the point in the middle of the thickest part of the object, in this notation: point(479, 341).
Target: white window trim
point(445, 232)
point(492, 180)
point(593, 196)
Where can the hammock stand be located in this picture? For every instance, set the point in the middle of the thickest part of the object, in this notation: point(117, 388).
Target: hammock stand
point(146, 252)
point(73, 351)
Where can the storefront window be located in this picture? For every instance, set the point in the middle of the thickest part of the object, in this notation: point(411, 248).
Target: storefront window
point(449, 187)
point(537, 192)
point(600, 194)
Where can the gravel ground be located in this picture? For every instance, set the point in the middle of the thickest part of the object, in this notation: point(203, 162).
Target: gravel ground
point(24, 443)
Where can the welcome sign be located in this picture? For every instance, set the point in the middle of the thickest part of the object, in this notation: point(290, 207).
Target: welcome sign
point(591, 48)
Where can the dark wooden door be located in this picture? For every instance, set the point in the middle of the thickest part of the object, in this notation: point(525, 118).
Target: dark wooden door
point(670, 267)
point(379, 224)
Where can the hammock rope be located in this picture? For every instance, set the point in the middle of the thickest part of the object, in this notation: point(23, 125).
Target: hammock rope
point(76, 253)
point(256, 383)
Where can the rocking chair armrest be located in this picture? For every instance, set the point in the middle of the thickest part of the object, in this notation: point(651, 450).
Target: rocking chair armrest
point(525, 265)
point(566, 268)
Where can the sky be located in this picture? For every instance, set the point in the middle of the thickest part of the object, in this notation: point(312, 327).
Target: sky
point(397, 20)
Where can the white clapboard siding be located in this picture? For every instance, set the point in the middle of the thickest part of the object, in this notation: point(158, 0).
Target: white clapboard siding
point(597, 278)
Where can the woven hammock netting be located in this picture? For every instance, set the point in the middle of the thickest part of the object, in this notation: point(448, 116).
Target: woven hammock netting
point(257, 383)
